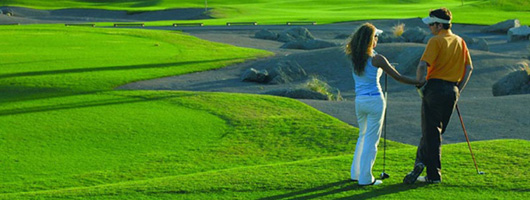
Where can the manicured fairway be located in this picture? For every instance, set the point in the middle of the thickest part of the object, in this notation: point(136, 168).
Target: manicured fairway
point(65, 133)
point(322, 11)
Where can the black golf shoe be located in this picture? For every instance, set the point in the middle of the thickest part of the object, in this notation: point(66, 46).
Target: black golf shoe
point(411, 177)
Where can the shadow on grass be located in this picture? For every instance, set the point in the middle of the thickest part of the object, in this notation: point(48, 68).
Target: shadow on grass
point(114, 68)
point(344, 186)
point(84, 104)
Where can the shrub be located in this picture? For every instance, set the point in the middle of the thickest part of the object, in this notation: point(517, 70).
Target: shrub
point(526, 68)
point(322, 87)
point(398, 29)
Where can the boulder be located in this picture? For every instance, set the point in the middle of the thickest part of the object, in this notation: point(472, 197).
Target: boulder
point(286, 72)
point(7, 11)
point(415, 34)
point(389, 38)
point(469, 40)
point(516, 82)
point(342, 36)
point(502, 27)
point(482, 44)
point(308, 44)
point(266, 34)
point(254, 75)
point(518, 33)
point(408, 60)
point(293, 34)
point(427, 38)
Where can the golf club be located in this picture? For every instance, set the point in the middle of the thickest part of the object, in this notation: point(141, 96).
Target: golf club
point(383, 174)
point(467, 138)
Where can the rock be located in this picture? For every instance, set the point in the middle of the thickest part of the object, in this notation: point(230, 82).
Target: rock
point(469, 40)
point(408, 60)
point(482, 44)
point(254, 75)
point(518, 33)
point(415, 34)
point(299, 93)
point(286, 72)
point(389, 38)
point(427, 38)
point(266, 34)
point(308, 44)
point(475, 43)
point(502, 27)
point(7, 11)
point(293, 34)
point(516, 82)
point(342, 36)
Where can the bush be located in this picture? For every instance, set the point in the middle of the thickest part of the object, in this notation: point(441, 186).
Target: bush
point(398, 29)
point(322, 87)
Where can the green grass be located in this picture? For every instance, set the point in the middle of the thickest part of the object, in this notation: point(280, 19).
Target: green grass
point(66, 134)
point(329, 11)
point(504, 161)
point(96, 59)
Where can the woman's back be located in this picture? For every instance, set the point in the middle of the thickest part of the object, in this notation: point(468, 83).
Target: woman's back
point(368, 82)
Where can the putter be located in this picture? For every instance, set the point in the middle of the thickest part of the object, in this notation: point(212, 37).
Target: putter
point(467, 138)
point(383, 174)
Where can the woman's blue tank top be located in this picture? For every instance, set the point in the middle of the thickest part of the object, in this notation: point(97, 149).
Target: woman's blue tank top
point(368, 83)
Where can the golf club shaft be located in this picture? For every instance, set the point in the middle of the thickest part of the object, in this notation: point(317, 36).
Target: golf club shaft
point(467, 138)
point(384, 124)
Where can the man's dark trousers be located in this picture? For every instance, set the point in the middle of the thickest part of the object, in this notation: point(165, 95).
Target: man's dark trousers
point(439, 100)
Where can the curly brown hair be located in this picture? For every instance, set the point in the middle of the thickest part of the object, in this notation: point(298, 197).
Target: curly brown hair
point(360, 47)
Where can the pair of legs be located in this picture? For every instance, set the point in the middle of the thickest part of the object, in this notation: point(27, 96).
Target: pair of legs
point(369, 111)
point(437, 107)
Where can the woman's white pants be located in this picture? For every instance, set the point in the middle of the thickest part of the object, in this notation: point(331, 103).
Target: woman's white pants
point(370, 112)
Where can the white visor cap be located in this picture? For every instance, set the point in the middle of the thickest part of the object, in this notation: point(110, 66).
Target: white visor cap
point(430, 20)
point(378, 32)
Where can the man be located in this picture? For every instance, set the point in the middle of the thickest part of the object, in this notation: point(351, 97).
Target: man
point(448, 64)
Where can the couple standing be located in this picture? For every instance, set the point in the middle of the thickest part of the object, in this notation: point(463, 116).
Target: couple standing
point(448, 64)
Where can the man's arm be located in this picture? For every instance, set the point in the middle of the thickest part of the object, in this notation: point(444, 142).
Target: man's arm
point(462, 84)
point(420, 72)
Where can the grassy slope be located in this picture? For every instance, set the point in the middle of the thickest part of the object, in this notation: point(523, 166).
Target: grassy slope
point(504, 161)
point(94, 59)
point(83, 140)
point(280, 11)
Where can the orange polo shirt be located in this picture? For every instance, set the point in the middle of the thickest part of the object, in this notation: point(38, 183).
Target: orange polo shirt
point(447, 56)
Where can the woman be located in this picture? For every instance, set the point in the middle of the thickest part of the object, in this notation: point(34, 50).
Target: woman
point(368, 66)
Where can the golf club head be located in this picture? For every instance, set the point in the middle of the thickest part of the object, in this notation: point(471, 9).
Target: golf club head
point(384, 175)
point(481, 173)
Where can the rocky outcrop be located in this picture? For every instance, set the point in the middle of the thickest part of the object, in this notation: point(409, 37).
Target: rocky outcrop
point(390, 38)
point(308, 44)
point(295, 38)
point(502, 27)
point(254, 75)
point(266, 35)
point(294, 34)
point(415, 34)
point(519, 33)
point(284, 72)
point(516, 82)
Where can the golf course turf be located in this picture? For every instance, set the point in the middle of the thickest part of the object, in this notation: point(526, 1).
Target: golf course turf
point(65, 133)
